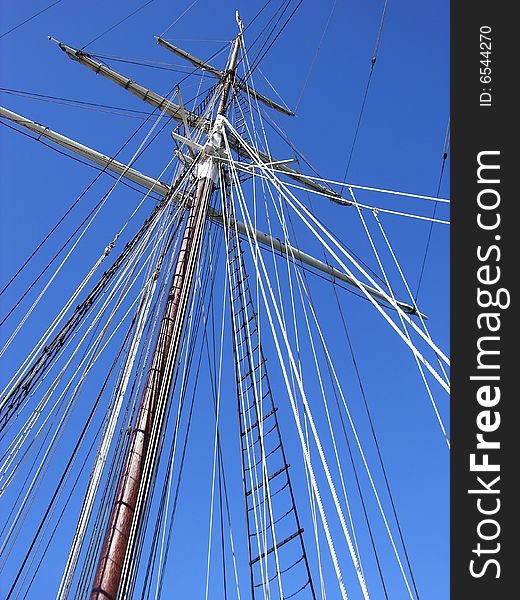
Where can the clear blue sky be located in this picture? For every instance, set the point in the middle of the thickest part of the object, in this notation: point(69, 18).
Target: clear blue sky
point(399, 146)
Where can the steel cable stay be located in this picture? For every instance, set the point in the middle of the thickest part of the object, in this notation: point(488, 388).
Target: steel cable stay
point(104, 255)
point(81, 309)
point(118, 179)
point(445, 151)
point(117, 462)
point(73, 103)
point(193, 325)
point(367, 87)
point(63, 477)
point(53, 506)
point(33, 16)
point(94, 353)
point(100, 205)
point(165, 543)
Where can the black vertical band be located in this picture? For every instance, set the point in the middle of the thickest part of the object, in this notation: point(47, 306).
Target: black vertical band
point(484, 250)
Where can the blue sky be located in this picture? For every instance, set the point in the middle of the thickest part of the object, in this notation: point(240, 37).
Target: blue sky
point(399, 146)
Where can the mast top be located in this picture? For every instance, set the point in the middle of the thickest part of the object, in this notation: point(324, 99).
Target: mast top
point(201, 64)
point(230, 73)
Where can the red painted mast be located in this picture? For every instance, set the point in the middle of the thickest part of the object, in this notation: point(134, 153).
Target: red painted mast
point(115, 545)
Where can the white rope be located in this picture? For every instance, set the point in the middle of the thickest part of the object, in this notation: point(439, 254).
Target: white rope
point(215, 443)
point(419, 366)
point(374, 189)
point(259, 263)
point(294, 263)
point(302, 284)
point(103, 449)
point(254, 173)
point(403, 324)
point(409, 291)
point(296, 205)
point(258, 395)
point(132, 260)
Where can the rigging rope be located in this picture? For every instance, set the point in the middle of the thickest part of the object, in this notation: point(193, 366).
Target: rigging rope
point(29, 18)
point(259, 263)
point(365, 95)
point(112, 27)
point(311, 66)
point(444, 158)
point(308, 218)
point(307, 292)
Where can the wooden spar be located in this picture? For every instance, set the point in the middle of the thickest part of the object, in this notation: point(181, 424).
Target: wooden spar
point(194, 121)
point(163, 189)
point(106, 162)
point(110, 565)
point(115, 547)
point(150, 183)
point(196, 62)
point(230, 76)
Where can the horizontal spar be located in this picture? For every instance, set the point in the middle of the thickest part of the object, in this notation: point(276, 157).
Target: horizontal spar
point(298, 256)
point(149, 183)
point(96, 157)
point(201, 64)
point(173, 110)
